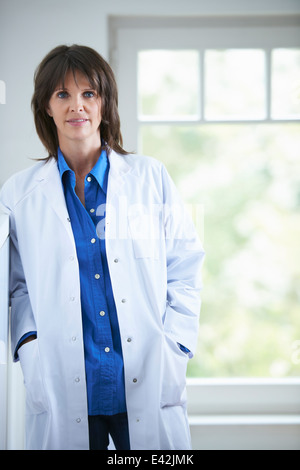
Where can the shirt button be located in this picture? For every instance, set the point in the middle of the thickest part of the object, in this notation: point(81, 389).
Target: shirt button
point(97, 276)
point(93, 240)
point(106, 350)
point(92, 211)
point(102, 313)
point(89, 179)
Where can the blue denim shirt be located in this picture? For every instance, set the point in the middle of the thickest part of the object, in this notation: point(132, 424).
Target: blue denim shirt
point(102, 342)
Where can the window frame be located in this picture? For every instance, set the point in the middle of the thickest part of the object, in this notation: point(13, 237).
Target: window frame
point(130, 35)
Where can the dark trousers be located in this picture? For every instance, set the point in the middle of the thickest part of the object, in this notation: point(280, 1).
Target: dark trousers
point(101, 426)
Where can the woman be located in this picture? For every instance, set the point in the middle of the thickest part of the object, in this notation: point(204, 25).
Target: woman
point(104, 281)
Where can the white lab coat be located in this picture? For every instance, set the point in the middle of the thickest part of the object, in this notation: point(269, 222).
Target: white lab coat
point(154, 259)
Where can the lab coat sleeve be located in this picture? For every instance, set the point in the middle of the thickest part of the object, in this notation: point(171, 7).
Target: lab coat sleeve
point(22, 319)
point(184, 254)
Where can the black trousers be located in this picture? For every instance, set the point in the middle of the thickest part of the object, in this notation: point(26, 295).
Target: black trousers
point(101, 426)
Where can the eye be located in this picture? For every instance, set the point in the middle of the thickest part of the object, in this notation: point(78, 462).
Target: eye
point(89, 94)
point(62, 94)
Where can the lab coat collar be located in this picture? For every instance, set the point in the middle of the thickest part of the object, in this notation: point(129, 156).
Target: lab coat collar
point(118, 166)
point(118, 163)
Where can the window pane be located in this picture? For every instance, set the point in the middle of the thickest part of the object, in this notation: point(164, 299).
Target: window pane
point(168, 84)
point(251, 194)
point(235, 84)
point(286, 83)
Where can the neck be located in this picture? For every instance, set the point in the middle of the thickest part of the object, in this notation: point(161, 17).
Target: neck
point(80, 157)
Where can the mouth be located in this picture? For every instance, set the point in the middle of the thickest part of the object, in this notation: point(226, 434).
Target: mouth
point(77, 122)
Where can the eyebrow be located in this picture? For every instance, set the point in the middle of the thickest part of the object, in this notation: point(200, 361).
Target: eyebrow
point(66, 89)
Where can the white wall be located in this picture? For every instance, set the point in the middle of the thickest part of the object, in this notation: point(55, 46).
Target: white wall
point(30, 28)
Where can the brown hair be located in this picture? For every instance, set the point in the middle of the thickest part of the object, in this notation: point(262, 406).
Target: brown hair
point(52, 72)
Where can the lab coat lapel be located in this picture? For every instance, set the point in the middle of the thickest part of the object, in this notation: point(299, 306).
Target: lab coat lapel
point(118, 168)
point(52, 189)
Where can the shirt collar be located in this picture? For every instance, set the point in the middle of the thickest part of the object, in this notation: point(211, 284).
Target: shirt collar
point(61, 163)
point(99, 171)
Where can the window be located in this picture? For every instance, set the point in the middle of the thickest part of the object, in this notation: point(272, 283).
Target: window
point(218, 101)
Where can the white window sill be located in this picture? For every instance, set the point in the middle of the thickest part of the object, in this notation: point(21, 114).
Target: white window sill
point(244, 414)
point(243, 396)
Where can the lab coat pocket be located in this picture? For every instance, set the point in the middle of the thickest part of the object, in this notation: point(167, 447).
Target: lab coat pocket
point(174, 368)
point(143, 231)
point(36, 401)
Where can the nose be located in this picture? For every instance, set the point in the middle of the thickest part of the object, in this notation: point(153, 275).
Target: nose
point(76, 104)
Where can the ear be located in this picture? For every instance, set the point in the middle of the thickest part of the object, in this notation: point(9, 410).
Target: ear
point(48, 110)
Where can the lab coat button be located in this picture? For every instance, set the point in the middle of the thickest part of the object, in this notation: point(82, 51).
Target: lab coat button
point(116, 260)
point(134, 380)
point(77, 379)
point(129, 340)
point(123, 301)
point(73, 338)
point(78, 420)
point(71, 258)
point(72, 299)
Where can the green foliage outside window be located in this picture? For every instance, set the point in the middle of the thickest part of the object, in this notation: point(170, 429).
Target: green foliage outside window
point(247, 177)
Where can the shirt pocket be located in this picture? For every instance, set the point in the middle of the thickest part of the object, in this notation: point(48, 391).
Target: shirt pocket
point(36, 400)
point(144, 233)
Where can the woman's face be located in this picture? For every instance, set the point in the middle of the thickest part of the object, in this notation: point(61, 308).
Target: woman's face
point(76, 111)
